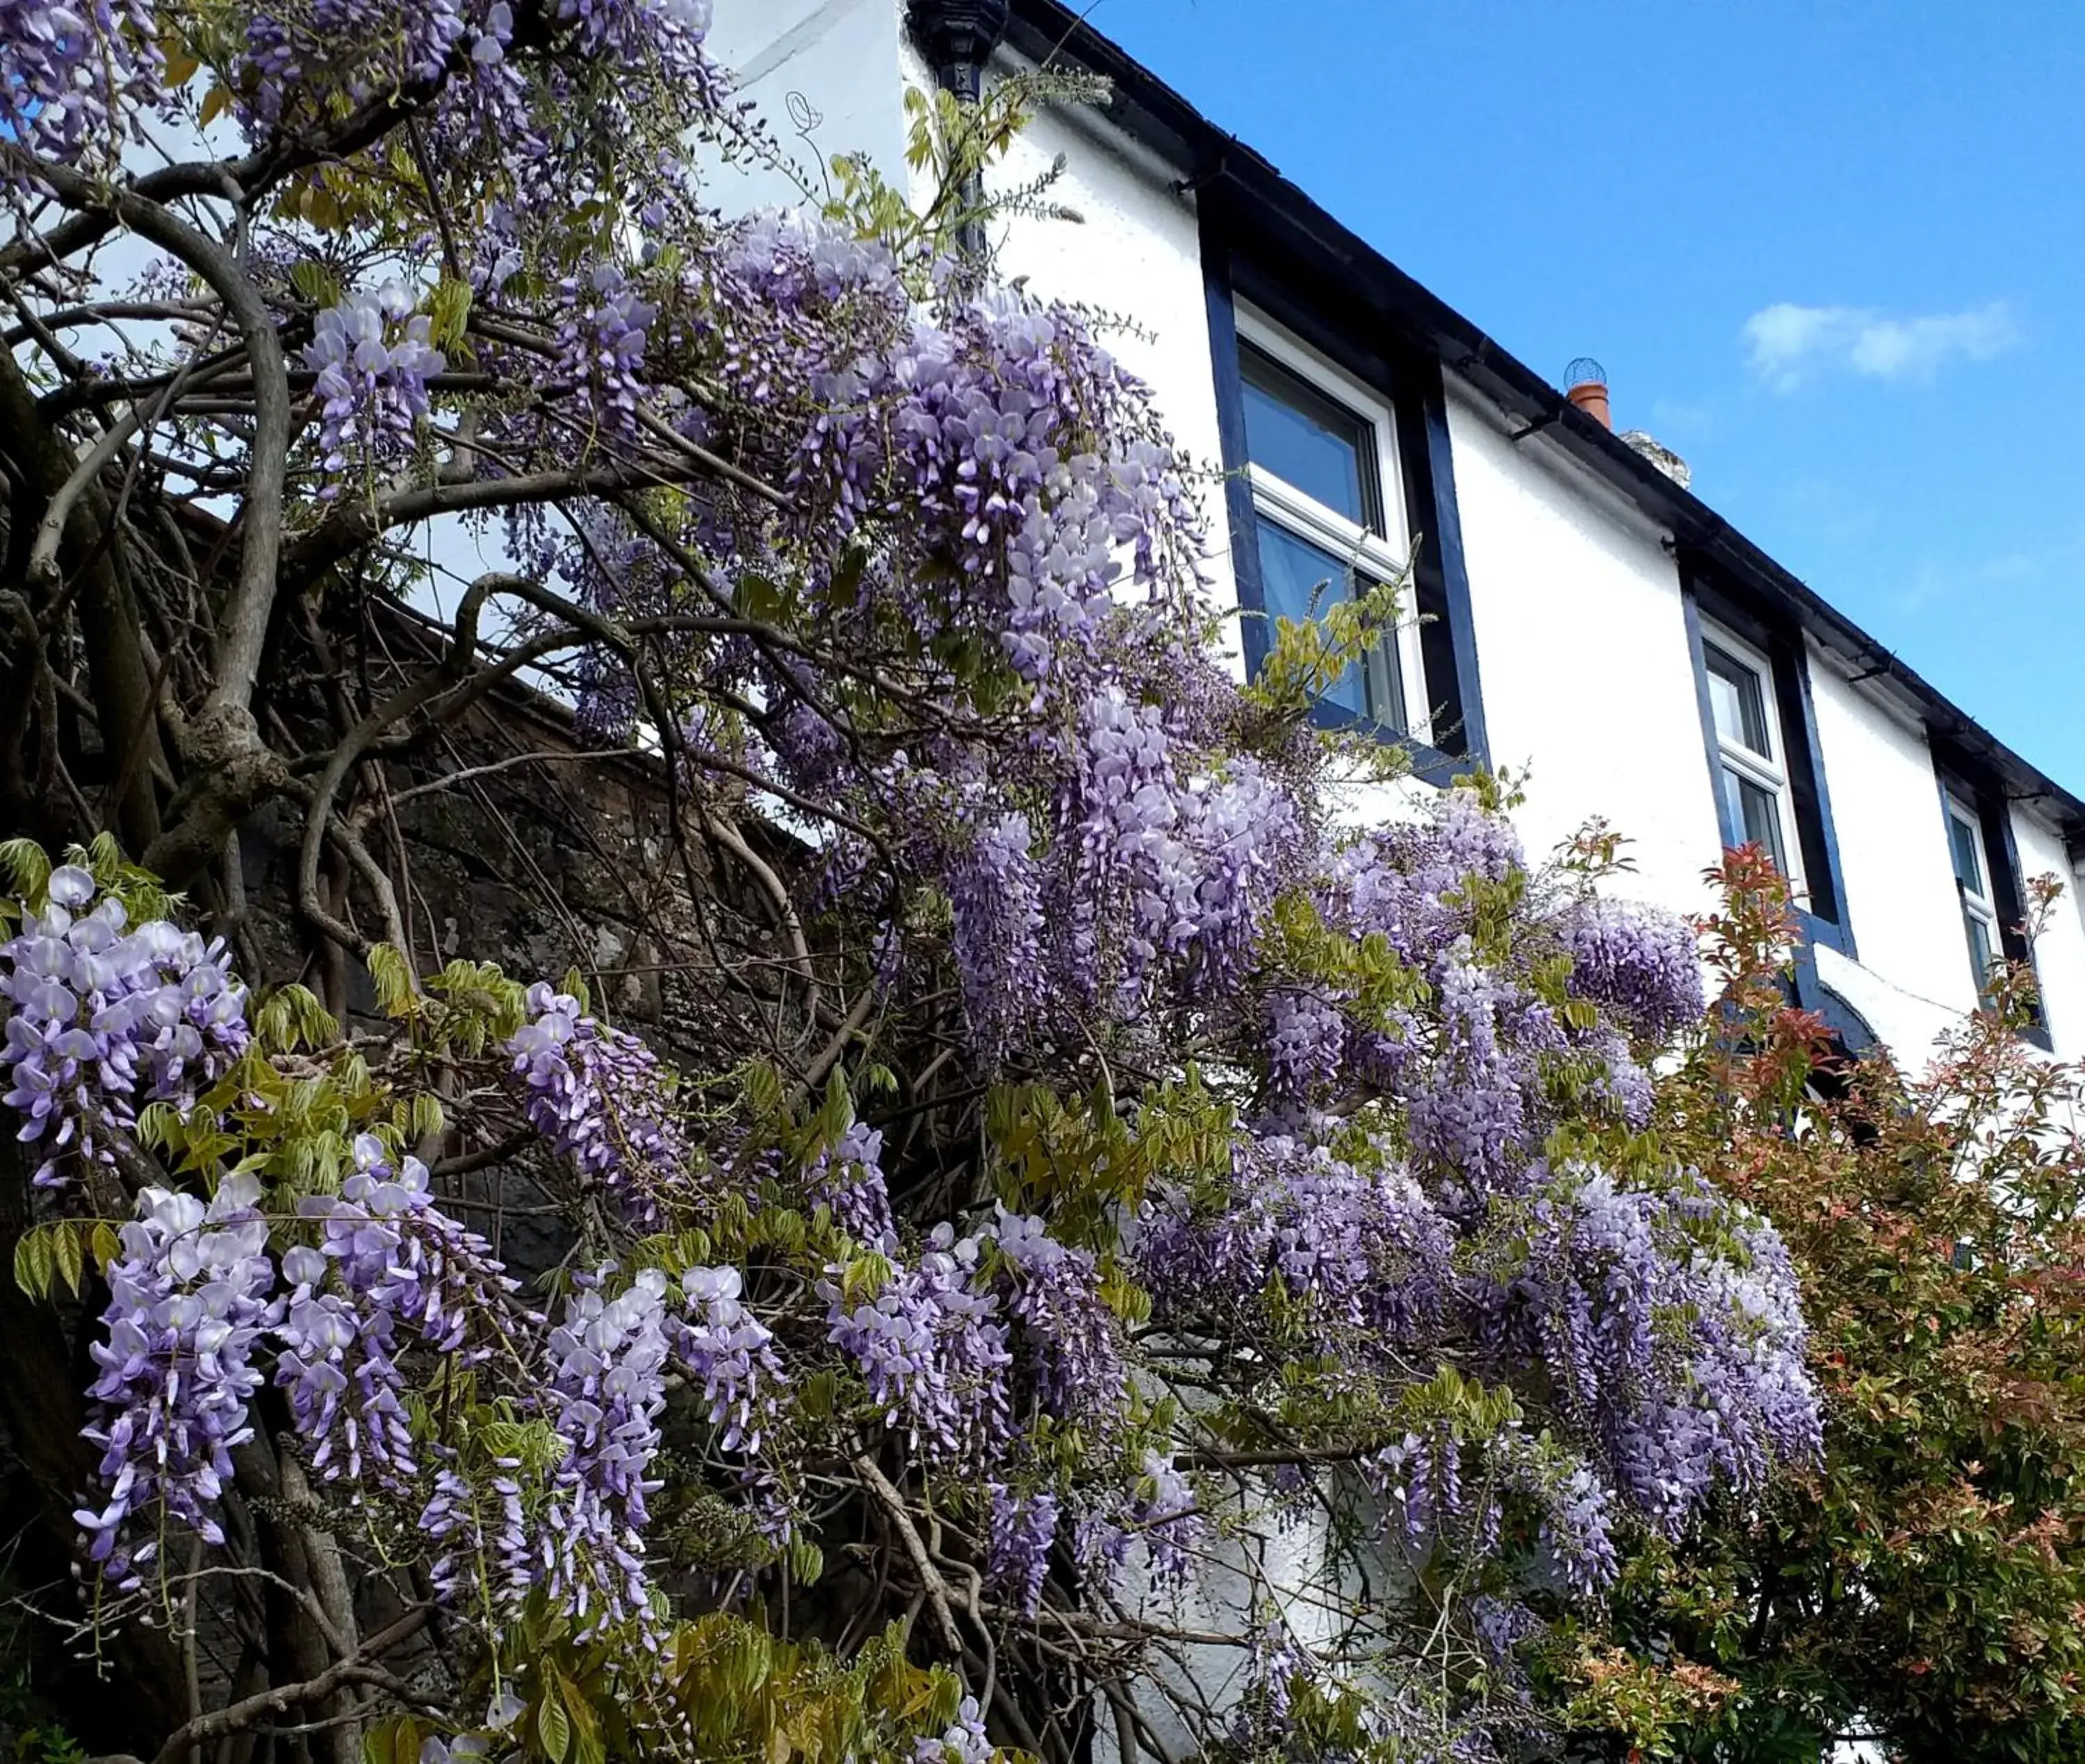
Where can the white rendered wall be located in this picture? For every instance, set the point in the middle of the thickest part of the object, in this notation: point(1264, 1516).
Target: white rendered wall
point(2059, 954)
point(842, 59)
point(1913, 977)
point(1582, 648)
point(1135, 250)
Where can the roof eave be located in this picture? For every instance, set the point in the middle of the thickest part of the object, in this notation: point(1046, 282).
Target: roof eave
point(1164, 122)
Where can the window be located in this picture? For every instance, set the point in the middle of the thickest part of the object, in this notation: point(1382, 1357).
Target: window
point(1759, 728)
point(1973, 881)
point(1751, 768)
point(1989, 883)
point(1321, 461)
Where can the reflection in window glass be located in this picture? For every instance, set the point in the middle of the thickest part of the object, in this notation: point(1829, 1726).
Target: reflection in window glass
point(1752, 816)
point(1968, 858)
point(1738, 704)
point(1978, 930)
point(1980, 919)
point(1298, 581)
point(1303, 438)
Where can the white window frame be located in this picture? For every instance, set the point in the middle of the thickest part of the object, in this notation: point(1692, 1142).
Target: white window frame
point(1983, 907)
point(1379, 556)
point(1768, 771)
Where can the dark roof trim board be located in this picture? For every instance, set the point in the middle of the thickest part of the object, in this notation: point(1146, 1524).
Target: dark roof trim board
point(1253, 197)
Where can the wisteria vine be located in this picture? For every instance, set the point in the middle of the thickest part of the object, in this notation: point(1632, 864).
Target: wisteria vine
point(1098, 1129)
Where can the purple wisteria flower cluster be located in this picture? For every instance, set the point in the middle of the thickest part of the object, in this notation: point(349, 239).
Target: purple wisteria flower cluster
point(606, 1385)
point(848, 1178)
point(1640, 963)
point(1661, 1319)
point(104, 1018)
point(963, 1743)
point(603, 1099)
point(73, 76)
point(602, 335)
point(1073, 1351)
point(996, 895)
point(391, 1268)
point(188, 1305)
point(1169, 1519)
point(932, 1348)
point(302, 56)
point(1021, 1529)
point(373, 359)
point(731, 1354)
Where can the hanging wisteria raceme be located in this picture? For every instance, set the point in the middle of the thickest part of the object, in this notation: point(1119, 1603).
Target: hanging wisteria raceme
point(1306, 1042)
point(188, 1305)
point(479, 1531)
point(395, 1248)
point(1168, 1518)
point(732, 1356)
point(1052, 1291)
point(391, 1272)
point(1022, 1529)
point(104, 1017)
point(847, 1179)
point(605, 1388)
point(931, 1349)
point(339, 1361)
point(1639, 962)
point(601, 339)
point(373, 359)
point(997, 898)
point(602, 1099)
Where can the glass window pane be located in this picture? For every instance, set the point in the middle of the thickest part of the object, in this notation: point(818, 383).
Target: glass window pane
point(1969, 844)
point(1737, 700)
point(1980, 955)
point(1304, 439)
point(1299, 581)
point(1752, 816)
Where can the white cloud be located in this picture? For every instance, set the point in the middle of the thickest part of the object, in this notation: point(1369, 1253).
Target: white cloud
point(1791, 343)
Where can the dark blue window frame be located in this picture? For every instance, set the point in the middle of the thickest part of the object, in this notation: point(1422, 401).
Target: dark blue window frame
point(1825, 919)
point(1957, 775)
point(1411, 382)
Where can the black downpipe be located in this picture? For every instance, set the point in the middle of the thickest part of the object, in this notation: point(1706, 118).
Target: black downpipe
point(957, 37)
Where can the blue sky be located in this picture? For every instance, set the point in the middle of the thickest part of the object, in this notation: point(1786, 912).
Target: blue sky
point(1832, 252)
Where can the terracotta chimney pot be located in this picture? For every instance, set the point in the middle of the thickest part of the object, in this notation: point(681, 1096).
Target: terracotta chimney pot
point(1591, 396)
point(1586, 385)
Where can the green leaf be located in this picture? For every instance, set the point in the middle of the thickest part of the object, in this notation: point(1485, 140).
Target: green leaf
point(554, 1726)
point(391, 976)
point(448, 313)
point(315, 282)
point(754, 597)
point(27, 868)
point(586, 1746)
point(32, 1264)
point(807, 1562)
point(67, 1244)
point(426, 1119)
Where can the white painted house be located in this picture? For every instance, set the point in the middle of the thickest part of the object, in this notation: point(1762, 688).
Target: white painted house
point(1586, 614)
